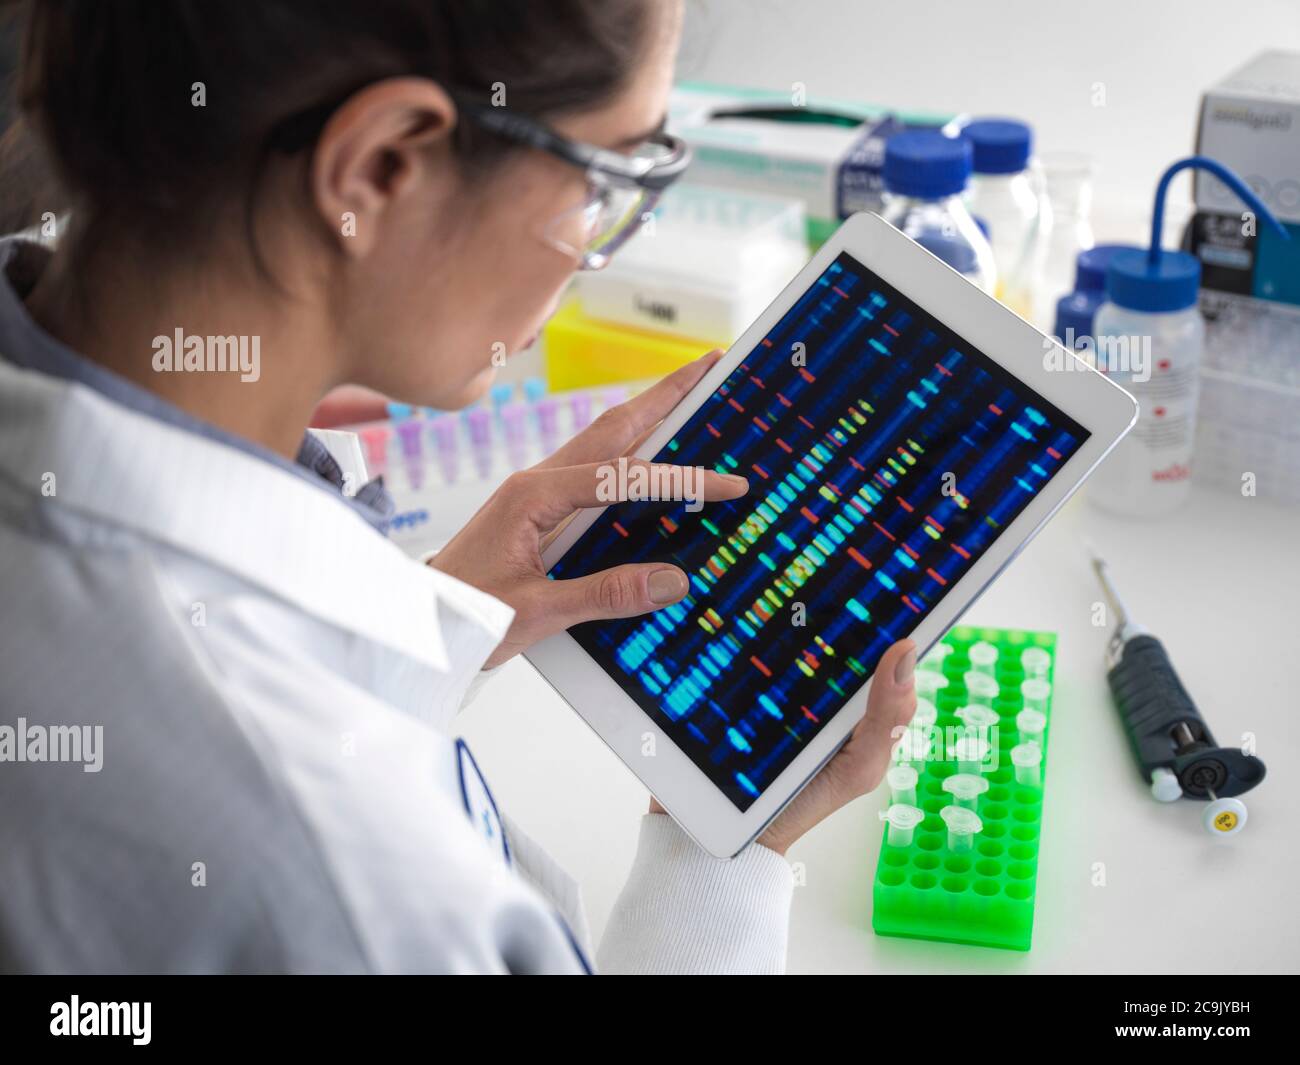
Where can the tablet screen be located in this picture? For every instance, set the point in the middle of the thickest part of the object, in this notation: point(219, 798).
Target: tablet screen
point(884, 455)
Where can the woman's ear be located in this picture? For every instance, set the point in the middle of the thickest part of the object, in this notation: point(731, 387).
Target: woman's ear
point(373, 152)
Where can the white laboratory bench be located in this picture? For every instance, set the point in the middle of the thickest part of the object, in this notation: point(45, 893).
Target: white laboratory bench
point(1219, 582)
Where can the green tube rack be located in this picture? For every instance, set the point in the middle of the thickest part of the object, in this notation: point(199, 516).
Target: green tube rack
point(985, 897)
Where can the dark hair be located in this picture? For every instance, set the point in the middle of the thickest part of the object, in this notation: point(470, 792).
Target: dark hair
point(108, 86)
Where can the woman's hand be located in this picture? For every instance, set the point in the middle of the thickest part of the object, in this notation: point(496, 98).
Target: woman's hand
point(859, 765)
point(500, 550)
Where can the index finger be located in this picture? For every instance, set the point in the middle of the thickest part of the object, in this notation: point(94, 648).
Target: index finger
point(616, 429)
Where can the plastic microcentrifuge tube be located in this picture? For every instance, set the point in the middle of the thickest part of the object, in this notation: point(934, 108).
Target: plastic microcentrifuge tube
point(917, 746)
point(981, 688)
point(374, 438)
point(501, 394)
point(1035, 662)
point(479, 424)
point(902, 785)
point(983, 657)
point(972, 752)
point(1030, 725)
point(978, 717)
point(580, 407)
point(1027, 758)
point(1035, 693)
point(902, 823)
point(409, 435)
point(613, 397)
point(445, 441)
point(935, 658)
point(966, 789)
point(548, 423)
point(514, 426)
point(963, 826)
point(929, 684)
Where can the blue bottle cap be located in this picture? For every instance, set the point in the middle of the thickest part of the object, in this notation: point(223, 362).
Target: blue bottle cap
point(1159, 281)
point(1090, 267)
point(1170, 283)
point(926, 164)
point(1001, 145)
point(1074, 317)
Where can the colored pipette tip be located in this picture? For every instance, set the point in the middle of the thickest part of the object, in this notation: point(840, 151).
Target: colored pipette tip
point(902, 820)
point(902, 784)
point(978, 717)
point(1030, 724)
point(983, 657)
point(966, 789)
point(963, 826)
point(1035, 662)
point(1028, 760)
point(935, 658)
point(613, 397)
point(534, 388)
point(972, 752)
point(929, 684)
point(1035, 692)
point(981, 688)
point(398, 411)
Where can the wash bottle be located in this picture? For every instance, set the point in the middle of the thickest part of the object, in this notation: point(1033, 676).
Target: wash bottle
point(1149, 337)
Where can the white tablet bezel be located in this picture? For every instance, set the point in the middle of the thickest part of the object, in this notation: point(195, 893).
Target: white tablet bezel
point(1099, 405)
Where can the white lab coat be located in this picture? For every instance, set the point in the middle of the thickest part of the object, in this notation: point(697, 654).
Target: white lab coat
point(276, 684)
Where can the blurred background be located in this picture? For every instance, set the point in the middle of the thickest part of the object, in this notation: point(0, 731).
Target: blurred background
point(1041, 62)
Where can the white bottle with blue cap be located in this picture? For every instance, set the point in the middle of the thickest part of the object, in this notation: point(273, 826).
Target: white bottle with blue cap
point(1005, 196)
point(925, 174)
point(1149, 338)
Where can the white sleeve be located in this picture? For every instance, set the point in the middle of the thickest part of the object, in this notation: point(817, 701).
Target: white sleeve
point(684, 911)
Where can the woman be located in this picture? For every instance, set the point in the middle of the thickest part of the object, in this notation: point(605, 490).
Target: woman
point(360, 194)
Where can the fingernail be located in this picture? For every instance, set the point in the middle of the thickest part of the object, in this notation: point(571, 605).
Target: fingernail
point(736, 479)
point(905, 668)
point(666, 586)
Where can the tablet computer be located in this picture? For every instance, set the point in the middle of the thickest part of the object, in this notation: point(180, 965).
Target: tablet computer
point(904, 436)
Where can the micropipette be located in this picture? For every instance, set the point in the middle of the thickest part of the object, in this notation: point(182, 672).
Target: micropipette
point(1170, 740)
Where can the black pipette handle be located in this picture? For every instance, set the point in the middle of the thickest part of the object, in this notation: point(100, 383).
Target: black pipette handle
point(1166, 730)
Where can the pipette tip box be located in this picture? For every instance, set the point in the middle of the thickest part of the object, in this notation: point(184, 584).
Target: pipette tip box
point(985, 896)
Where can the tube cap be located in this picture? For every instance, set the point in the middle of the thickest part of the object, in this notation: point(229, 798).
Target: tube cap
point(1090, 267)
point(1074, 316)
point(1171, 283)
point(1000, 145)
point(926, 164)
